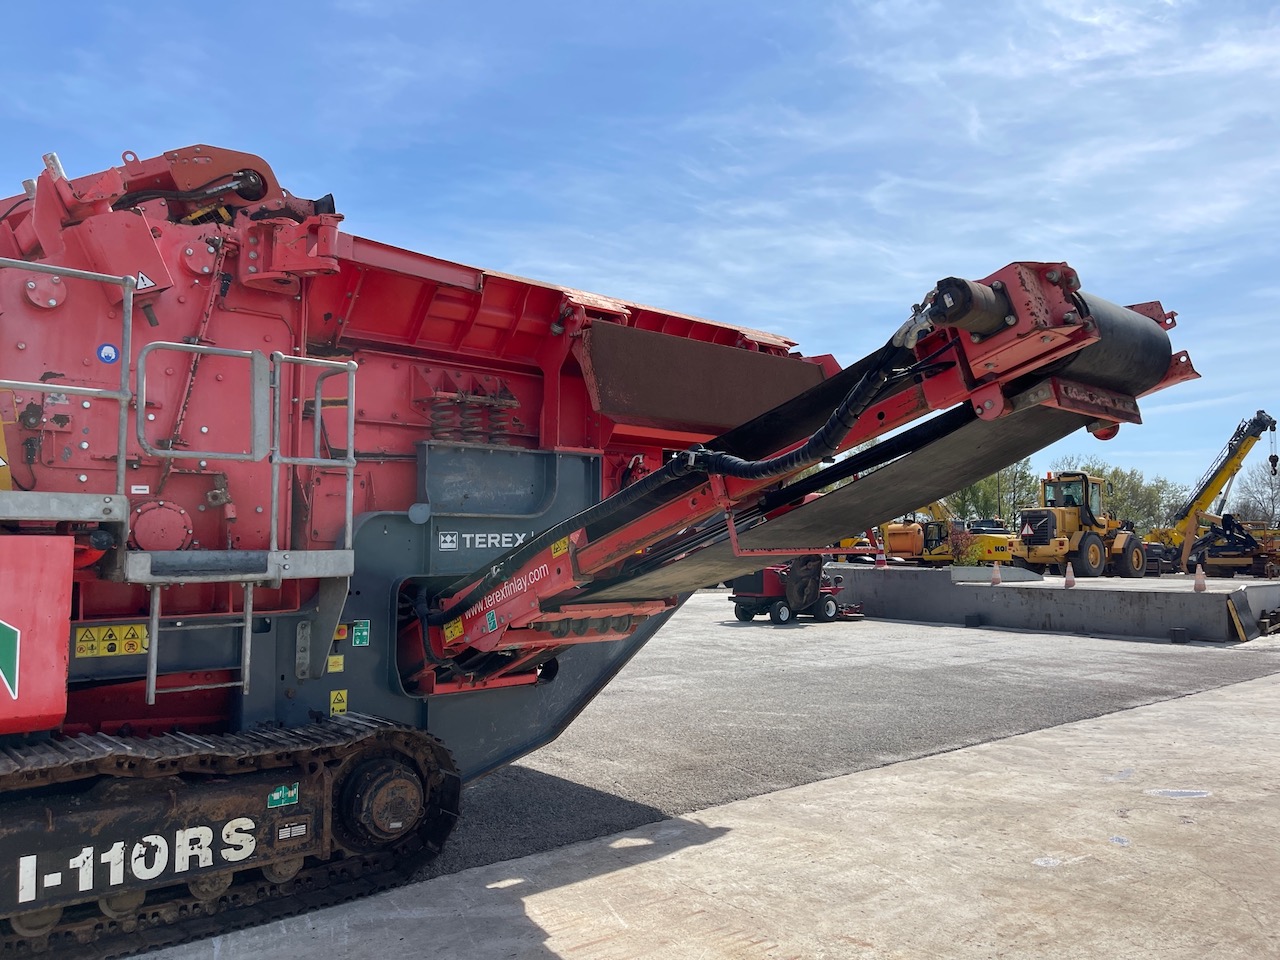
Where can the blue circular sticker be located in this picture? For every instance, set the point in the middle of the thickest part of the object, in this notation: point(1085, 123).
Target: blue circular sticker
point(108, 353)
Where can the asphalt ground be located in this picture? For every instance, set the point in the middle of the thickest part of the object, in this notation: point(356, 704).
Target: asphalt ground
point(714, 710)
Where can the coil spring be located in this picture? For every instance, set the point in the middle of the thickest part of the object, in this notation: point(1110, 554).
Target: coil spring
point(471, 423)
point(500, 426)
point(444, 420)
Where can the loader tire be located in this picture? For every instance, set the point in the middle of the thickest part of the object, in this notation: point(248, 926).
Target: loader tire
point(1132, 561)
point(1091, 558)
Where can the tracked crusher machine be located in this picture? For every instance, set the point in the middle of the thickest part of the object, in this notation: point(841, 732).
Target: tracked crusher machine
point(300, 532)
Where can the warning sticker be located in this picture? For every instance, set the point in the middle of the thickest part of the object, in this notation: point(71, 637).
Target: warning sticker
point(560, 547)
point(337, 702)
point(1026, 530)
point(144, 282)
point(490, 621)
point(337, 663)
point(112, 640)
point(452, 630)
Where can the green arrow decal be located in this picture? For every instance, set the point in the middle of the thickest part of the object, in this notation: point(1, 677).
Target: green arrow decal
point(10, 638)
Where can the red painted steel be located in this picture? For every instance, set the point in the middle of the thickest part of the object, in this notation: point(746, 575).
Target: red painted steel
point(35, 616)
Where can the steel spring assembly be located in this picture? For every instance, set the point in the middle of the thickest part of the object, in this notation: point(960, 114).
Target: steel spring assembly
point(444, 420)
point(500, 426)
point(471, 422)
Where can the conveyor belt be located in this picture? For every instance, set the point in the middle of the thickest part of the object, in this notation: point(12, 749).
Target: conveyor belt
point(1132, 356)
point(961, 458)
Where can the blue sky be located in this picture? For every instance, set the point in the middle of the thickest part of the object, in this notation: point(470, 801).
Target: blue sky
point(806, 168)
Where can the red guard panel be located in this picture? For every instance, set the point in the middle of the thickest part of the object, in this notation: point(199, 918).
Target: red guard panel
point(35, 615)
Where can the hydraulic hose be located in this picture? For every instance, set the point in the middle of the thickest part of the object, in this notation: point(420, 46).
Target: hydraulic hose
point(823, 443)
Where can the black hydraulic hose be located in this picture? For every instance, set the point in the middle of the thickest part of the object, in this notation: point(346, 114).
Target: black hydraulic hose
point(825, 442)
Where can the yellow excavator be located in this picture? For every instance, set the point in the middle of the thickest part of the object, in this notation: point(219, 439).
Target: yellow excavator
point(931, 534)
point(1226, 546)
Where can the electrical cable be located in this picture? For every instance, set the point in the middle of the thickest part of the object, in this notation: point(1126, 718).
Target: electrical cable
point(5, 215)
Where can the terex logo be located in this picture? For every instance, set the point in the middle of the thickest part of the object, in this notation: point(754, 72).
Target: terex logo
point(451, 540)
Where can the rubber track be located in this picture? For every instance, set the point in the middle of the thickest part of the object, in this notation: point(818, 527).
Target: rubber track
point(84, 933)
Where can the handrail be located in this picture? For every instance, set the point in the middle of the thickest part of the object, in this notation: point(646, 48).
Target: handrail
point(327, 368)
point(123, 395)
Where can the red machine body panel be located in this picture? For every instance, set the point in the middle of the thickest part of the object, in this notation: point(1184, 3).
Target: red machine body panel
point(35, 614)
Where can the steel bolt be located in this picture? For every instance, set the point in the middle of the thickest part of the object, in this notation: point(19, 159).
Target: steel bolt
point(253, 254)
point(204, 463)
point(22, 346)
point(253, 241)
point(151, 416)
point(1070, 317)
point(85, 404)
point(31, 284)
point(253, 269)
point(52, 302)
point(990, 366)
point(997, 285)
point(204, 269)
point(1010, 320)
point(56, 280)
point(974, 337)
point(84, 478)
point(257, 509)
point(988, 404)
point(1046, 339)
point(189, 251)
point(204, 429)
point(84, 444)
point(211, 250)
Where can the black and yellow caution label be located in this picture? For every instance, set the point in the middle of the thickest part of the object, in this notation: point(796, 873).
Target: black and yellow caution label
point(111, 640)
point(337, 702)
point(452, 630)
point(337, 663)
point(560, 547)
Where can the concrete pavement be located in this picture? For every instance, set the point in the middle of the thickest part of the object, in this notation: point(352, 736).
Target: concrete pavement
point(1148, 832)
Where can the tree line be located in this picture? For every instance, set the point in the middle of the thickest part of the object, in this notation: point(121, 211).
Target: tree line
point(1254, 496)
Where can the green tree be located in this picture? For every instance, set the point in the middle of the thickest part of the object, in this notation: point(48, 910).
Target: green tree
point(1002, 494)
point(1256, 495)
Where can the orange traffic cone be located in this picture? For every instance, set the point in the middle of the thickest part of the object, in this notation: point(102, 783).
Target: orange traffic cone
point(1200, 585)
point(995, 574)
point(1070, 581)
point(881, 562)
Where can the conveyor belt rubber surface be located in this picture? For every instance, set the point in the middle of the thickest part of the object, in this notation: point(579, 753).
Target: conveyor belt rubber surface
point(1132, 356)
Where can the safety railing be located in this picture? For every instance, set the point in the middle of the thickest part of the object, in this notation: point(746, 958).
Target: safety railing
point(123, 394)
point(327, 368)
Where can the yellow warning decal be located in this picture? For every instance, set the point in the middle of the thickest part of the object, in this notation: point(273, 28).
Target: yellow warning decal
point(337, 702)
point(341, 632)
point(452, 630)
point(560, 547)
point(112, 640)
point(337, 663)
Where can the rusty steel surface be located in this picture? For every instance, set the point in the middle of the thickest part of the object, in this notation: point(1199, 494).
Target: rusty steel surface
point(683, 385)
